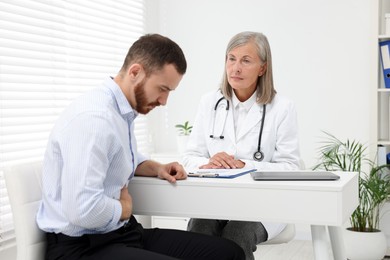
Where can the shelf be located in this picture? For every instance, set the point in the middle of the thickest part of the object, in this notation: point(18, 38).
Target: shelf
point(381, 115)
point(383, 142)
point(382, 97)
point(384, 37)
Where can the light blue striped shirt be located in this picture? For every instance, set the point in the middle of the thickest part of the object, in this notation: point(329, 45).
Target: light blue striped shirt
point(91, 154)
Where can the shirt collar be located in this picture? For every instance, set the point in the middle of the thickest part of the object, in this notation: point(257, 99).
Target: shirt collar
point(246, 104)
point(124, 107)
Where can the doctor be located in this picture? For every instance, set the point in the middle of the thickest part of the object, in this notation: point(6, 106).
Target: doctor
point(244, 124)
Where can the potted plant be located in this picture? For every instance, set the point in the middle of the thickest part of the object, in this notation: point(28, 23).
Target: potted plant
point(184, 131)
point(374, 191)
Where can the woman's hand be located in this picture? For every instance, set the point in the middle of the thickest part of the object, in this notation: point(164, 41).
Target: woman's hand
point(223, 160)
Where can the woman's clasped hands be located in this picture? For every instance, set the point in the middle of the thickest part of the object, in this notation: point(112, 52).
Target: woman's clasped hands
point(223, 160)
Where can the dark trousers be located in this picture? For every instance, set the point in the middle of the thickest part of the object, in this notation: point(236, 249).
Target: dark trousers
point(246, 234)
point(134, 242)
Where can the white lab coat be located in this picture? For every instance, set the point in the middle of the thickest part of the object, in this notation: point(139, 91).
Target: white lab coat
point(279, 144)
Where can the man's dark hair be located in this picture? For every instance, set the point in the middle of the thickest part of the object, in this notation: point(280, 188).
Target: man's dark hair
point(153, 51)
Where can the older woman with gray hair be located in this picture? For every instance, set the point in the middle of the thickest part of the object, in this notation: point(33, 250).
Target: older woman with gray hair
point(244, 124)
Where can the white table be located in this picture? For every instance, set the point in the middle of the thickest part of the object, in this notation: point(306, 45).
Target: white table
point(322, 204)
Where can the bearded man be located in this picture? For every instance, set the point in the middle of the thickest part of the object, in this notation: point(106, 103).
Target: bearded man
point(86, 209)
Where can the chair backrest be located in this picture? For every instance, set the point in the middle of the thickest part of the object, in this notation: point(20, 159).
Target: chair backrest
point(24, 186)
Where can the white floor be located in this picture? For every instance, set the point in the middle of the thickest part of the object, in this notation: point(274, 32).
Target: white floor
point(294, 250)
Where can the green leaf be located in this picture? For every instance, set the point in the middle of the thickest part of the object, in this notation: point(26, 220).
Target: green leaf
point(184, 129)
point(374, 187)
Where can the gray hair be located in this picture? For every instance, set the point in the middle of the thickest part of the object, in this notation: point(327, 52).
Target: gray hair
point(265, 84)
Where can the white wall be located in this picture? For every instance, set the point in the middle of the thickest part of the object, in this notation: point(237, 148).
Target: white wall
point(323, 52)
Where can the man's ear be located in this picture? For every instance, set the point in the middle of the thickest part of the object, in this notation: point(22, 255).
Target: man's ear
point(136, 72)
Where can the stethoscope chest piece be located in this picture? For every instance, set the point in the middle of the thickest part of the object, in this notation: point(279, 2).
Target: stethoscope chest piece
point(258, 156)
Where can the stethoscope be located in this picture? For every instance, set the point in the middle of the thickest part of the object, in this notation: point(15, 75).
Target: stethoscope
point(258, 155)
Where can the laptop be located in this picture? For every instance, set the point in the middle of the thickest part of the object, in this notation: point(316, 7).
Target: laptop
point(294, 176)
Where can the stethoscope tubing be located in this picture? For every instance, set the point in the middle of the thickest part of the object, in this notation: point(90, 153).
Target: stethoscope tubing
point(258, 155)
point(215, 114)
point(261, 157)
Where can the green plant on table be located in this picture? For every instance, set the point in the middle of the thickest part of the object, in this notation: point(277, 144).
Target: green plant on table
point(374, 186)
point(184, 129)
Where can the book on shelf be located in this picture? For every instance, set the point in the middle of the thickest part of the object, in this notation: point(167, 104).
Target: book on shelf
point(383, 157)
point(382, 154)
point(384, 48)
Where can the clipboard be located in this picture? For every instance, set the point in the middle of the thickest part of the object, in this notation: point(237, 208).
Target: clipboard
point(219, 173)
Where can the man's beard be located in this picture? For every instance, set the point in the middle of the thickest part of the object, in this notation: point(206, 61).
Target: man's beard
point(142, 105)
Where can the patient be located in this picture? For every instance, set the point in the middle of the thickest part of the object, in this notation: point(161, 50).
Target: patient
point(245, 123)
point(86, 209)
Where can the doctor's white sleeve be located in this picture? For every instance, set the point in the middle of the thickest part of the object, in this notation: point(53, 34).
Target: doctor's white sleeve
point(197, 153)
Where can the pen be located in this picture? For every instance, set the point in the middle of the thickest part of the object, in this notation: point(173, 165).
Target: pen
point(203, 174)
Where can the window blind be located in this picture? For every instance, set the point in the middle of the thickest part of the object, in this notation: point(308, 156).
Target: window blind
point(50, 53)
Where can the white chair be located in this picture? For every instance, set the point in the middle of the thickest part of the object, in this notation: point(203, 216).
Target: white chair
point(287, 234)
point(24, 187)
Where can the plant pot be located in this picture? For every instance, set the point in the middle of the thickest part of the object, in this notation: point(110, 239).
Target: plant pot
point(365, 245)
point(182, 141)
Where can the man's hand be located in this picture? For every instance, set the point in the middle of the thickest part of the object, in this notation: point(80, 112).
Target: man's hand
point(171, 172)
point(223, 160)
point(126, 203)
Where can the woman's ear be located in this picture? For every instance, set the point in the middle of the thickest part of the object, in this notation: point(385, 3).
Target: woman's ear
point(263, 69)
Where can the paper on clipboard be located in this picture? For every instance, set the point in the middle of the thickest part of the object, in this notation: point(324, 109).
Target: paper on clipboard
point(219, 173)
